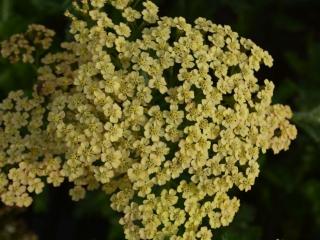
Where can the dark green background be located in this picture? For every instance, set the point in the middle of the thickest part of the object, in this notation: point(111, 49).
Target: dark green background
point(285, 201)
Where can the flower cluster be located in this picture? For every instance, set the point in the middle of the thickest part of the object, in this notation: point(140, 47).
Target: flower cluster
point(22, 46)
point(164, 115)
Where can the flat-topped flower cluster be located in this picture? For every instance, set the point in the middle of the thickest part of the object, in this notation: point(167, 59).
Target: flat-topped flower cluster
point(165, 116)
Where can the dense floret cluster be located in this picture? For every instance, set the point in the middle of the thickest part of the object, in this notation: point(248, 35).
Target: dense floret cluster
point(165, 116)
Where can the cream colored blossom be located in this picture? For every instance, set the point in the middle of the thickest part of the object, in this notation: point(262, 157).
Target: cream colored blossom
point(108, 112)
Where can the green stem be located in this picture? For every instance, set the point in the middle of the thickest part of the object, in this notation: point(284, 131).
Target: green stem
point(135, 3)
point(5, 10)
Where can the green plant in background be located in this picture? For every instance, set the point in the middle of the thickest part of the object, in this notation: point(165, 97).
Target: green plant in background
point(13, 227)
point(242, 226)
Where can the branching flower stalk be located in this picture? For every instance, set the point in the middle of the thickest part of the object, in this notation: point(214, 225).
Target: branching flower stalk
point(166, 120)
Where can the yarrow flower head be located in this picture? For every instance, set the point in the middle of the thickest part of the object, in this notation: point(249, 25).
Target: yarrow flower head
point(165, 116)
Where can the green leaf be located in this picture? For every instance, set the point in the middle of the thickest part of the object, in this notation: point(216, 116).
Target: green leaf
point(40, 202)
point(309, 122)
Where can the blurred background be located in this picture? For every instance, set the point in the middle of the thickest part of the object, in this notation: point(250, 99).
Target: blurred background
point(285, 201)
